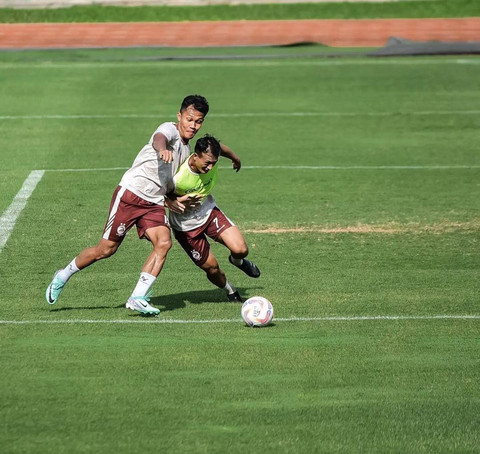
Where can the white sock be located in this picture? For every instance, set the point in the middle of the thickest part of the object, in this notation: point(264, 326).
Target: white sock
point(235, 261)
point(68, 271)
point(229, 288)
point(144, 283)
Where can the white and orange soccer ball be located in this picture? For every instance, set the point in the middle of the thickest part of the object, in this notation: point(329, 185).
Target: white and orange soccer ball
point(257, 311)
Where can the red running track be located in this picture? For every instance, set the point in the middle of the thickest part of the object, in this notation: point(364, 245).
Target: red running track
point(341, 33)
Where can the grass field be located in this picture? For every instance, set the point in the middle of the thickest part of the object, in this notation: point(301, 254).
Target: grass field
point(324, 10)
point(359, 198)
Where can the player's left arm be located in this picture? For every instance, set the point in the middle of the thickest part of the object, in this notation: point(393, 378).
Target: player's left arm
point(227, 152)
point(179, 204)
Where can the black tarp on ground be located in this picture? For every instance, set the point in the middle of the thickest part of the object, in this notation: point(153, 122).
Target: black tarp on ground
point(399, 46)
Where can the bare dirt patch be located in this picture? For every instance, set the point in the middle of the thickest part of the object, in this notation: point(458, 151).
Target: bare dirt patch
point(385, 229)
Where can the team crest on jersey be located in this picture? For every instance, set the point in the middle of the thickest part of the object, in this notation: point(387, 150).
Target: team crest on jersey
point(121, 229)
point(196, 255)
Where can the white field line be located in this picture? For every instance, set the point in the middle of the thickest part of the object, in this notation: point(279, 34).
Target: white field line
point(10, 216)
point(426, 167)
point(254, 62)
point(238, 320)
point(99, 169)
point(244, 115)
point(432, 167)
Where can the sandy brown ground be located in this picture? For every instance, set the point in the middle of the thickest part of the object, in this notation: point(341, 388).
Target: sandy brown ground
point(346, 33)
point(392, 228)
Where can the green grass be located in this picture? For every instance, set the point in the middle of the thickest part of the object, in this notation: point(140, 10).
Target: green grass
point(96, 13)
point(149, 54)
point(292, 388)
point(363, 240)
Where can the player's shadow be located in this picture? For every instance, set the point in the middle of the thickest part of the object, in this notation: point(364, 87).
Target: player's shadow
point(176, 301)
point(173, 301)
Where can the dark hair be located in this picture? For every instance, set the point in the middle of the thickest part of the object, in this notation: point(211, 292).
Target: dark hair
point(208, 143)
point(197, 101)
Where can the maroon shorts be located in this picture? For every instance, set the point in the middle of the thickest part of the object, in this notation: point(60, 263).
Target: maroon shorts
point(195, 242)
point(126, 210)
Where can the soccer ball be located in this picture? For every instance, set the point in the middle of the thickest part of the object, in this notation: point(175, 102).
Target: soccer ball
point(257, 311)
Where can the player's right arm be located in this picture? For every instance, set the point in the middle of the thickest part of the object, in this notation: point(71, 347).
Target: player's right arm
point(159, 144)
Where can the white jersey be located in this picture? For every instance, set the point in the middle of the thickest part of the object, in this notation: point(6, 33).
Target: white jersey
point(192, 219)
point(151, 178)
point(188, 182)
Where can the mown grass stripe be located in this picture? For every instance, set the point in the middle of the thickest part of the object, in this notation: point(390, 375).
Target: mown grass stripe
point(243, 115)
point(238, 320)
point(266, 167)
point(306, 60)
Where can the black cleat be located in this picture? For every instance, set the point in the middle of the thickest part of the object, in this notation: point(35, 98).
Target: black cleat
point(248, 267)
point(235, 297)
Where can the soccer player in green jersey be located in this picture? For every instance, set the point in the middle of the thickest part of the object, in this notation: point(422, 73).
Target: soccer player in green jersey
point(193, 225)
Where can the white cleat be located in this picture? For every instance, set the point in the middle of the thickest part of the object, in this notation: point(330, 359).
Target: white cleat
point(54, 289)
point(141, 304)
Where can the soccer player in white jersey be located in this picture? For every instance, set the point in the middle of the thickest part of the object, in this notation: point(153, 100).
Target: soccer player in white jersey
point(140, 200)
point(197, 177)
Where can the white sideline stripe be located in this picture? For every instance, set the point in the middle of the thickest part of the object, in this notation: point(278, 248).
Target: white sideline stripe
point(100, 169)
point(238, 320)
point(284, 60)
point(245, 115)
point(10, 216)
point(360, 167)
point(432, 167)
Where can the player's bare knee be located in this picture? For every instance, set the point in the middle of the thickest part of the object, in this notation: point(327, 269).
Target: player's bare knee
point(211, 267)
point(106, 250)
point(212, 270)
point(240, 251)
point(163, 246)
